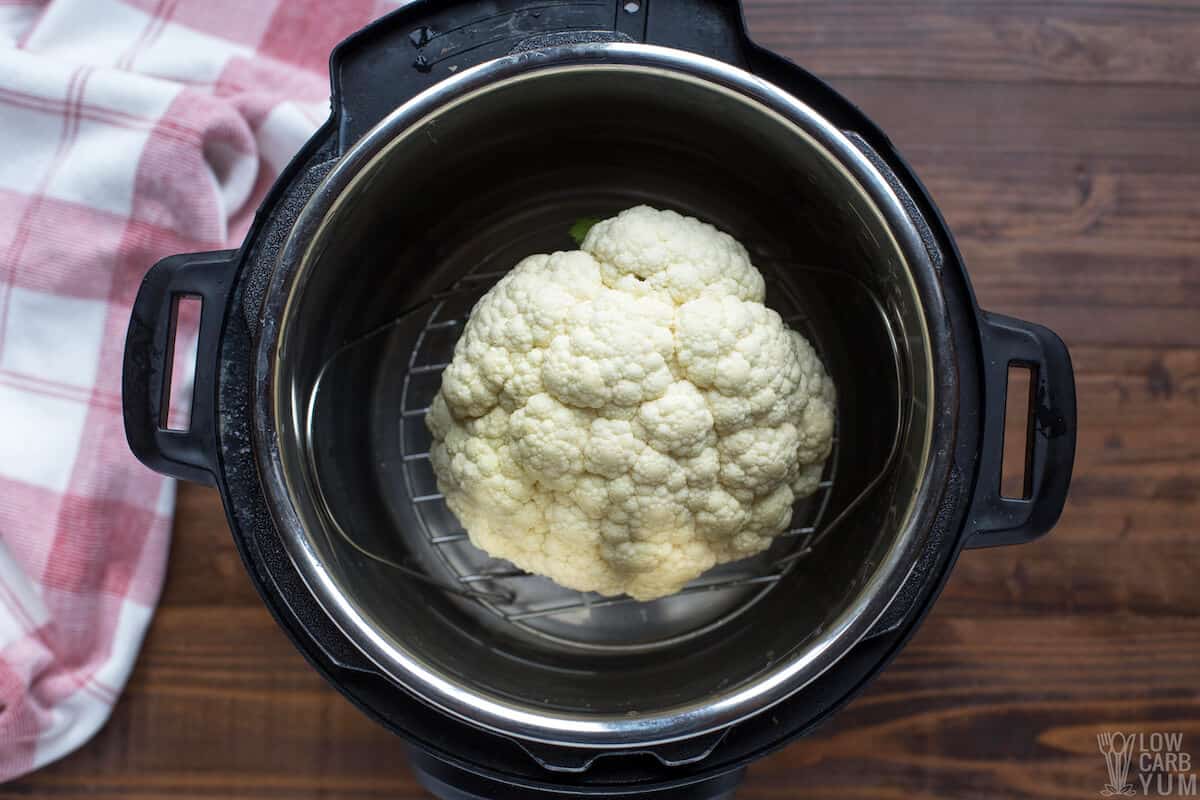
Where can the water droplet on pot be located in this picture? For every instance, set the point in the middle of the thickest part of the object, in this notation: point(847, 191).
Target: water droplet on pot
point(421, 36)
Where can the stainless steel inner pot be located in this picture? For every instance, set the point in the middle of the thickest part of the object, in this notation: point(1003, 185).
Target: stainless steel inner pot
point(453, 189)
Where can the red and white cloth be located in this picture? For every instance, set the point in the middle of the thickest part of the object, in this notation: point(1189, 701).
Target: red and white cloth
point(129, 130)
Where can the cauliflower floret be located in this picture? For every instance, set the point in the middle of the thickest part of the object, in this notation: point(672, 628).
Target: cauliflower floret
point(624, 417)
point(681, 255)
point(616, 351)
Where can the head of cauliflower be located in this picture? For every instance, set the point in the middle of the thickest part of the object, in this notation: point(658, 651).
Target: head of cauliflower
point(623, 417)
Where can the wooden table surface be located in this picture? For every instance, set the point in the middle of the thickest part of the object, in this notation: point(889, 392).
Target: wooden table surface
point(1062, 140)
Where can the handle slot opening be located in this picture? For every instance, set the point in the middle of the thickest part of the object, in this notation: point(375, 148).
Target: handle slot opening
point(1016, 466)
point(180, 361)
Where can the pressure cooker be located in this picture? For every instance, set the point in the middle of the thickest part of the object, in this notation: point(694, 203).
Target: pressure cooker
point(465, 135)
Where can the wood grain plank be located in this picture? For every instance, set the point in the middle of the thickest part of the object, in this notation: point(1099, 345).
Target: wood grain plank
point(1061, 578)
point(1130, 127)
point(1093, 43)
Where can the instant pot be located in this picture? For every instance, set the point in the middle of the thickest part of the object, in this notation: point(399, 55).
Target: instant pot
point(463, 137)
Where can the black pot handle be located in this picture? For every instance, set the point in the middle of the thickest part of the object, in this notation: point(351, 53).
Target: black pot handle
point(146, 376)
point(997, 520)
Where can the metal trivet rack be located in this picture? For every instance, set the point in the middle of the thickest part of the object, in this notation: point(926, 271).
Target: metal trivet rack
point(501, 588)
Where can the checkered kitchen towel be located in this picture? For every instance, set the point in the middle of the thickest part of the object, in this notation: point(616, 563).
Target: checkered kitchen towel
point(129, 130)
